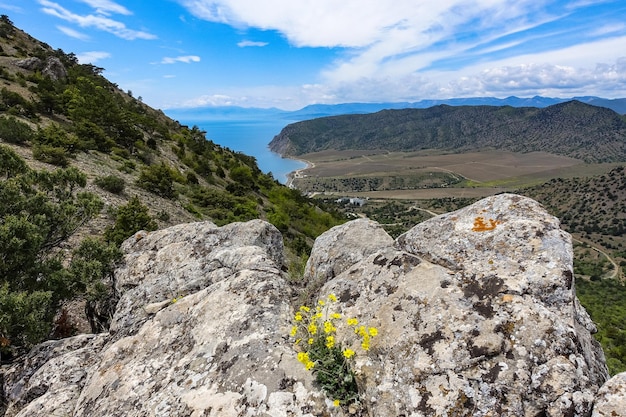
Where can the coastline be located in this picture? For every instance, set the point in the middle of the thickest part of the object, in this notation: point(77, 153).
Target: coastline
point(298, 173)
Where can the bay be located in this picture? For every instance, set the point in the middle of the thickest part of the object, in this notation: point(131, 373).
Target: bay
point(251, 137)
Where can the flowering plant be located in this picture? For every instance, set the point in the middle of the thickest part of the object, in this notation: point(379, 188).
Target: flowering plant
point(314, 331)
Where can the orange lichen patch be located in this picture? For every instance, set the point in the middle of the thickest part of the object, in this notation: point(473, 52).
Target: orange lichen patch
point(507, 298)
point(480, 225)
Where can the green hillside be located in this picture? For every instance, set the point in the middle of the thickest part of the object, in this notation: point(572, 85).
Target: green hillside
point(574, 129)
point(85, 165)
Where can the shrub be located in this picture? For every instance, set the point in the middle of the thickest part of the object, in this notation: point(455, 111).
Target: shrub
point(158, 179)
point(15, 131)
point(51, 155)
point(130, 218)
point(111, 183)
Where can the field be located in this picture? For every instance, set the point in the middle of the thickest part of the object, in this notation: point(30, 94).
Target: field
point(427, 174)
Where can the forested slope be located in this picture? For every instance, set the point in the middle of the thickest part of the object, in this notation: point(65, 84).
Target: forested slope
point(574, 129)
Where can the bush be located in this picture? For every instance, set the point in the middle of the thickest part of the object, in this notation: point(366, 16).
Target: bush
point(129, 219)
point(51, 155)
point(111, 183)
point(14, 131)
point(158, 179)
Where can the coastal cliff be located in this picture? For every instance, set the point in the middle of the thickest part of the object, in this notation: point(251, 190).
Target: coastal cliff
point(475, 310)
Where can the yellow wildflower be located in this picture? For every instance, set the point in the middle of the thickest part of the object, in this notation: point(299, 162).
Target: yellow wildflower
point(335, 316)
point(365, 345)
point(305, 309)
point(310, 341)
point(294, 330)
point(322, 303)
point(336, 403)
point(373, 331)
point(330, 342)
point(328, 327)
point(348, 353)
point(353, 322)
point(303, 357)
point(298, 341)
point(309, 365)
point(312, 328)
point(361, 331)
point(298, 316)
point(332, 298)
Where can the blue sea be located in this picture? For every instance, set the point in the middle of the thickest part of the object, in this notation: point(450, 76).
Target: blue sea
point(250, 137)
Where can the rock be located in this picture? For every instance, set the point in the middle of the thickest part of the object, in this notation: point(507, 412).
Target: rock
point(342, 246)
point(200, 330)
point(31, 64)
point(49, 380)
point(52, 67)
point(611, 398)
point(476, 315)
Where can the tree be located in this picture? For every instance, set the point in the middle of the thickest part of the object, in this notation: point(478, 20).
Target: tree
point(130, 218)
point(39, 210)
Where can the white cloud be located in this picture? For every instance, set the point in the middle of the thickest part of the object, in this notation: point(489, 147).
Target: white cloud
point(395, 50)
point(11, 7)
point(92, 57)
point(185, 59)
point(246, 43)
point(97, 21)
point(107, 7)
point(73, 33)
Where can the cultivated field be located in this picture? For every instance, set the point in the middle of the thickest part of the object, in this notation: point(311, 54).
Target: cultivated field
point(427, 174)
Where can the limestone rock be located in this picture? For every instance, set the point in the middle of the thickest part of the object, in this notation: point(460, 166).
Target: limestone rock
point(51, 377)
point(611, 398)
point(52, 67)
point(342, 246)
point(476, 315)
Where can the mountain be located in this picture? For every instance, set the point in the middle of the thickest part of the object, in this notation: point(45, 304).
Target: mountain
point(575, 129)
point(321, 110)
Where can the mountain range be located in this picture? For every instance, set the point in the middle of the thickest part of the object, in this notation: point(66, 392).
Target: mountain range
point(321, 110)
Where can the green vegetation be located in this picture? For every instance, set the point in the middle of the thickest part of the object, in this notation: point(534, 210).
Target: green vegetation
point(604, 301)
point(129, 219)
point(39, 210)
point(314, 331)
point(578, 130)
point(111, 183)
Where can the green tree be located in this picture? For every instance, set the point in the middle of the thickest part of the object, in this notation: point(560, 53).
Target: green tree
point(158, 179)
point(39, 210)
point(130, 218)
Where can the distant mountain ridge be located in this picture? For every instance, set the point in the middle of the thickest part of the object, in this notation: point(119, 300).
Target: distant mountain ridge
point(573, 128)
point(618, 105)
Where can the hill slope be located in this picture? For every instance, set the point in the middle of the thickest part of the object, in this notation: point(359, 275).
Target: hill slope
point(85, 165)
point(574, 129)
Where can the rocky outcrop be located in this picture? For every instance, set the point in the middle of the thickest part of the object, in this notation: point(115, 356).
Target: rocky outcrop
point(476, 313)
point(52, 67)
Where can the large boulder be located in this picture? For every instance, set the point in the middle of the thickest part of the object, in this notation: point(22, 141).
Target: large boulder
point(477, 315)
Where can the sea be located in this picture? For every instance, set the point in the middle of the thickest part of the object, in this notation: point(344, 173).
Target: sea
point(251, 137)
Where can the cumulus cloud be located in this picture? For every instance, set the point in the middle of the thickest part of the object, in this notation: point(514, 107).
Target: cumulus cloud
point(99, 20)
point(92, 57)
point(185, 59)
point(246, 43)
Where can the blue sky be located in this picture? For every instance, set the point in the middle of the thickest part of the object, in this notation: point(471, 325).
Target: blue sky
point(290, 53)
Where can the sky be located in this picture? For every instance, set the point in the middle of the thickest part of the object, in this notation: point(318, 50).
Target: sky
point(291, 53)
